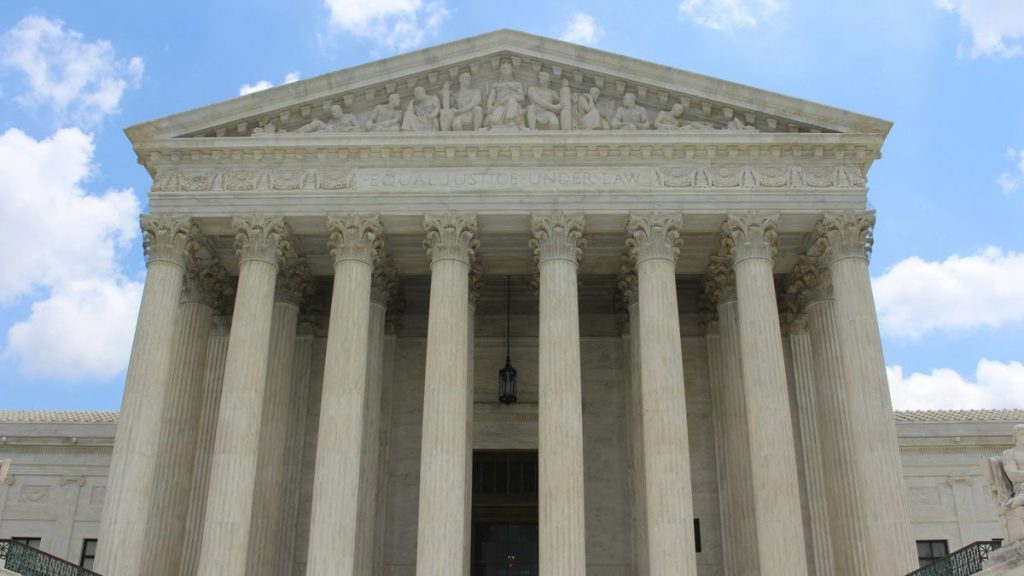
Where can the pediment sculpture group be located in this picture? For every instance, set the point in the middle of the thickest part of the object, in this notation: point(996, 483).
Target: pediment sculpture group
point(1005, 474)
point(507, 106)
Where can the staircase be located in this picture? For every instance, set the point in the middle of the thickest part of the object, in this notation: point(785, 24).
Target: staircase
point(26, 561)
point(963, 562)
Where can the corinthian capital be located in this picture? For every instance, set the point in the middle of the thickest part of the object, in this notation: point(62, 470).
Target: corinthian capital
point(628, 288)
point(294, 282)
point(719, 281)
point(654, 236)
point(168, 238)
point(260, 237)
point(750, 236)
point(557, 236)
point(354, 237)
point(845, 235)
point(385, 281)
point(808, 282)
point(206, 282)
point(450, 237)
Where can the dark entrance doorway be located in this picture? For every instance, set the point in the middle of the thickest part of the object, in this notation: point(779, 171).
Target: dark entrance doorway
point(504, 514)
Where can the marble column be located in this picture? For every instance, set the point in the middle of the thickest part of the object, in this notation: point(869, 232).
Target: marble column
point(295, 441)
point(845, 240)
point(133, 463)
point(451, 244)
point(634, 401)
point(267, 537)
point(805, 385)
point(355, 240)
point(558, 246)
point(381, 291)
point(213, 378)
point(391, 323)
point(476, 276)
point(654, 245)
point(729, 404)
point(205, 282)
point(259, 243)
point(751, 241)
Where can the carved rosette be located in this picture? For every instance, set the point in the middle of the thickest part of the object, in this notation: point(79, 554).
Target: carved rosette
point(168, 238)
point(206, 282)
point(557, 236)
point(719, 281)
point(654, 236)
point(260, 237)
point(845, 235)
point(384, 285)
point(355, 237)
point(294, 282)
point(750, 236)
point(450, 237)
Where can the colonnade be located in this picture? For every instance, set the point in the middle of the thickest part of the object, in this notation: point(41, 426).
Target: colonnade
point(189, 384)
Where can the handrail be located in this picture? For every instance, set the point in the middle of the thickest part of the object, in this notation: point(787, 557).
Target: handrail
point(28, 561)
point(963, 562)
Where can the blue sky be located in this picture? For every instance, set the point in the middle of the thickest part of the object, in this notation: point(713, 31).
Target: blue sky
point(949, 259)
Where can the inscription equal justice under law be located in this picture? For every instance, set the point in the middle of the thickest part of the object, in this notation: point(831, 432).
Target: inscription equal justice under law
point(503, 179)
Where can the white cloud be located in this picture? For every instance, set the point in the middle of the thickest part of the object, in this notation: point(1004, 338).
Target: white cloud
point(264, 84)
point(82, 82)
point(729, 14)
point(68, 246)
point(995, 385)
point(917, 296)
point(996, 26)
point(1009, 182)
point(393, 24)
point(582, 29)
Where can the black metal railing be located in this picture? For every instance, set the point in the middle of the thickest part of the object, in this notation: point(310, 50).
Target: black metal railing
point(28, 561)
point(963, 562)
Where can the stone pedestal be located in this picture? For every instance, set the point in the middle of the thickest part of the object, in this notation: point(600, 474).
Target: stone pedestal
point(775, 485)
point(557, 246)
point(654, 244)
point(845, 240)
point(122, 532)
point(355, 241)
point(440, 549)
point(225, 550)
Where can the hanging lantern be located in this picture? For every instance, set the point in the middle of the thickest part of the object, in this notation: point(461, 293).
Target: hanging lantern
point(507, 375)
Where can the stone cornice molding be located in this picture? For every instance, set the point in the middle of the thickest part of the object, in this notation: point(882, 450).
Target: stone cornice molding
point(384, 285)
point(450, 237)
point(720, 281)
point(654, 236)
point(356, 237)
point(845, 235)
point(557, 236)
point(206, 283)
point(260, 237)
point(168, 238)
point(294, 282)
point(750, 236)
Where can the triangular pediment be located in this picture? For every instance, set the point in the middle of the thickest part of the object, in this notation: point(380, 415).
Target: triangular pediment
point(502, 60)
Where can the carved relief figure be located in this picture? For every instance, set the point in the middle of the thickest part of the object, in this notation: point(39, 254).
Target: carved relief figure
point(698, 126)
point(545, 106)
point(630, 116)
point(464, 112)
point(588, 115)
point(338, 122)
point(386, 117)
point(670, 119)
point(737, 124)
point(1006, 481)
point(422, 112)
point(505, 101)
point(266, 129)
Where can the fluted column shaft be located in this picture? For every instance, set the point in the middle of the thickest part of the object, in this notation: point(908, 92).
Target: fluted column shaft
point(634, 401)
point(206, 431)
point(775, 485)
point(266, 541)
point(442, 505)
point(383, 281)
point(355, 241)
point(557, 247)
point(133, 463)
point(847, 239)
point(227, 522)
point(814, 472)
point(713, 341)
point(654, 243)
point(296, 439)
point(180, 422)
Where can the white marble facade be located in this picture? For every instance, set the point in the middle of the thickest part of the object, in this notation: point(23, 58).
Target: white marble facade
point(323, 321)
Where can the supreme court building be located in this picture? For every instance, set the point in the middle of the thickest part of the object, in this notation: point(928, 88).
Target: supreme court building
point(338, 268)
